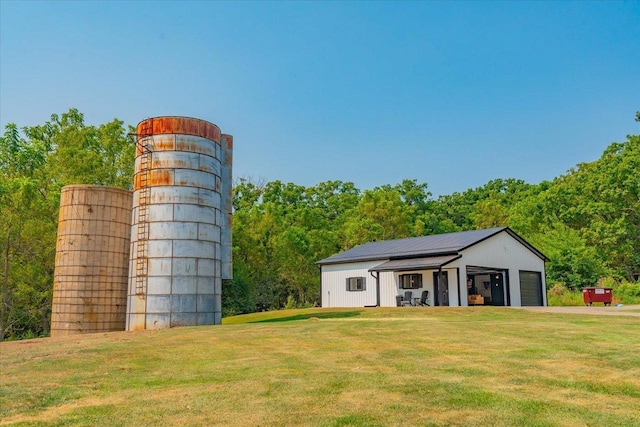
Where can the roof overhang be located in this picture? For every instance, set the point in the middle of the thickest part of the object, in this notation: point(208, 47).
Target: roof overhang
point(427, 263)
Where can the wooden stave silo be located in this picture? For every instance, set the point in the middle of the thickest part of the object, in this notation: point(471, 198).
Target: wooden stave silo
point(92, 260)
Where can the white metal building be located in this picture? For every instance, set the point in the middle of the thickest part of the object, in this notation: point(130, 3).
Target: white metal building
point(481, 267)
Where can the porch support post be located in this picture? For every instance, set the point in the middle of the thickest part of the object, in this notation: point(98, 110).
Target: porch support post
point(377, 277)
point(507, 288)
point(320, 270)
point(439, 282)
point(459, 296)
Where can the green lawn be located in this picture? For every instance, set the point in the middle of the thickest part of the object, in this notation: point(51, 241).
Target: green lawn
point(336, 367)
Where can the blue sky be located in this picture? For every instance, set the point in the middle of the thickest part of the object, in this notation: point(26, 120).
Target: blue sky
point(449, 93)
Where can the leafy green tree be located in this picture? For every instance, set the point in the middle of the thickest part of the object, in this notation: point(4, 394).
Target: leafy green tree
point(574, 263)
point(296, 268)
point(27, 233)
point(496, 200)
point(601, 201)
point(85, 154)
point(246, 194)
point(33, 169)
point(381, 214)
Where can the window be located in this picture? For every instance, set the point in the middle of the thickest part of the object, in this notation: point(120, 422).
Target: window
point(356, 284)
point(410, 281)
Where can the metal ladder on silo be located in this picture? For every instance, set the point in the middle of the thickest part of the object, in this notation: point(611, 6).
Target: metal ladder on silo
point(142, 261)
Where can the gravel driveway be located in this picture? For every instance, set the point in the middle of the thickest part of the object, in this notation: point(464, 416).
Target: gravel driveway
point(627, 310)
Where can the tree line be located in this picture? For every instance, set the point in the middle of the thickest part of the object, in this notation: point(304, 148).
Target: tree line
point(586, 221)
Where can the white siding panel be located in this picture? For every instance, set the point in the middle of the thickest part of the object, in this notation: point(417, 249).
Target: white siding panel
point(388, 289)
point(503, 252)
point(456, 293)
point(334, 285)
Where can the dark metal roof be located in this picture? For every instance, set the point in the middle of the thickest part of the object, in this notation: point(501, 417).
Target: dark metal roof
point(413, 247)
point(415, 263)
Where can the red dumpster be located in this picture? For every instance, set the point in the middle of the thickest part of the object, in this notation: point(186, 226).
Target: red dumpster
point(592, 295)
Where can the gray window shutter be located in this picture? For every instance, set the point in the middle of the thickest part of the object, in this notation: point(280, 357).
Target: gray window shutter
point(364, 283)
point(348, 284)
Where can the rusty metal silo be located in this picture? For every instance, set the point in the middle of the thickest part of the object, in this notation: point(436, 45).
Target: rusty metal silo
point(92, 258)
point(227, 206)
point(175, 271)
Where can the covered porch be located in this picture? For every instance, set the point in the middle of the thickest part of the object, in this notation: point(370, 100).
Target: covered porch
point(419, 282)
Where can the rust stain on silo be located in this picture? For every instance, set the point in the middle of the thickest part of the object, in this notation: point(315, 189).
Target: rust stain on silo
point(161, 177)
point(227, 140)
point(183, 145)
point(161, 143)
point(191, 144)
point(153, 178)
point(137, 181)
point(178, 125)
point(173, 163)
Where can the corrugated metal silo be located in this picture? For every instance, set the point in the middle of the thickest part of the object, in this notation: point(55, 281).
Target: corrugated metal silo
point(227, 206)
point(92, 258)
point(175, 272)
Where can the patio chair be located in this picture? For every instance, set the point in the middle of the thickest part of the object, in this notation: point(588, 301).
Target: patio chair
point(408, 298)
point(399, 300)
point(424, 298)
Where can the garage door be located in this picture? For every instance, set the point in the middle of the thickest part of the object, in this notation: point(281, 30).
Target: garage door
point(530, 288)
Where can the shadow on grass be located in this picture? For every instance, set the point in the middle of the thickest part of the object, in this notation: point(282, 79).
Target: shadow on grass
point(327, 315)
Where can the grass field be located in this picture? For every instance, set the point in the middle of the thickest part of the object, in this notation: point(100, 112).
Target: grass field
point(336, 367)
